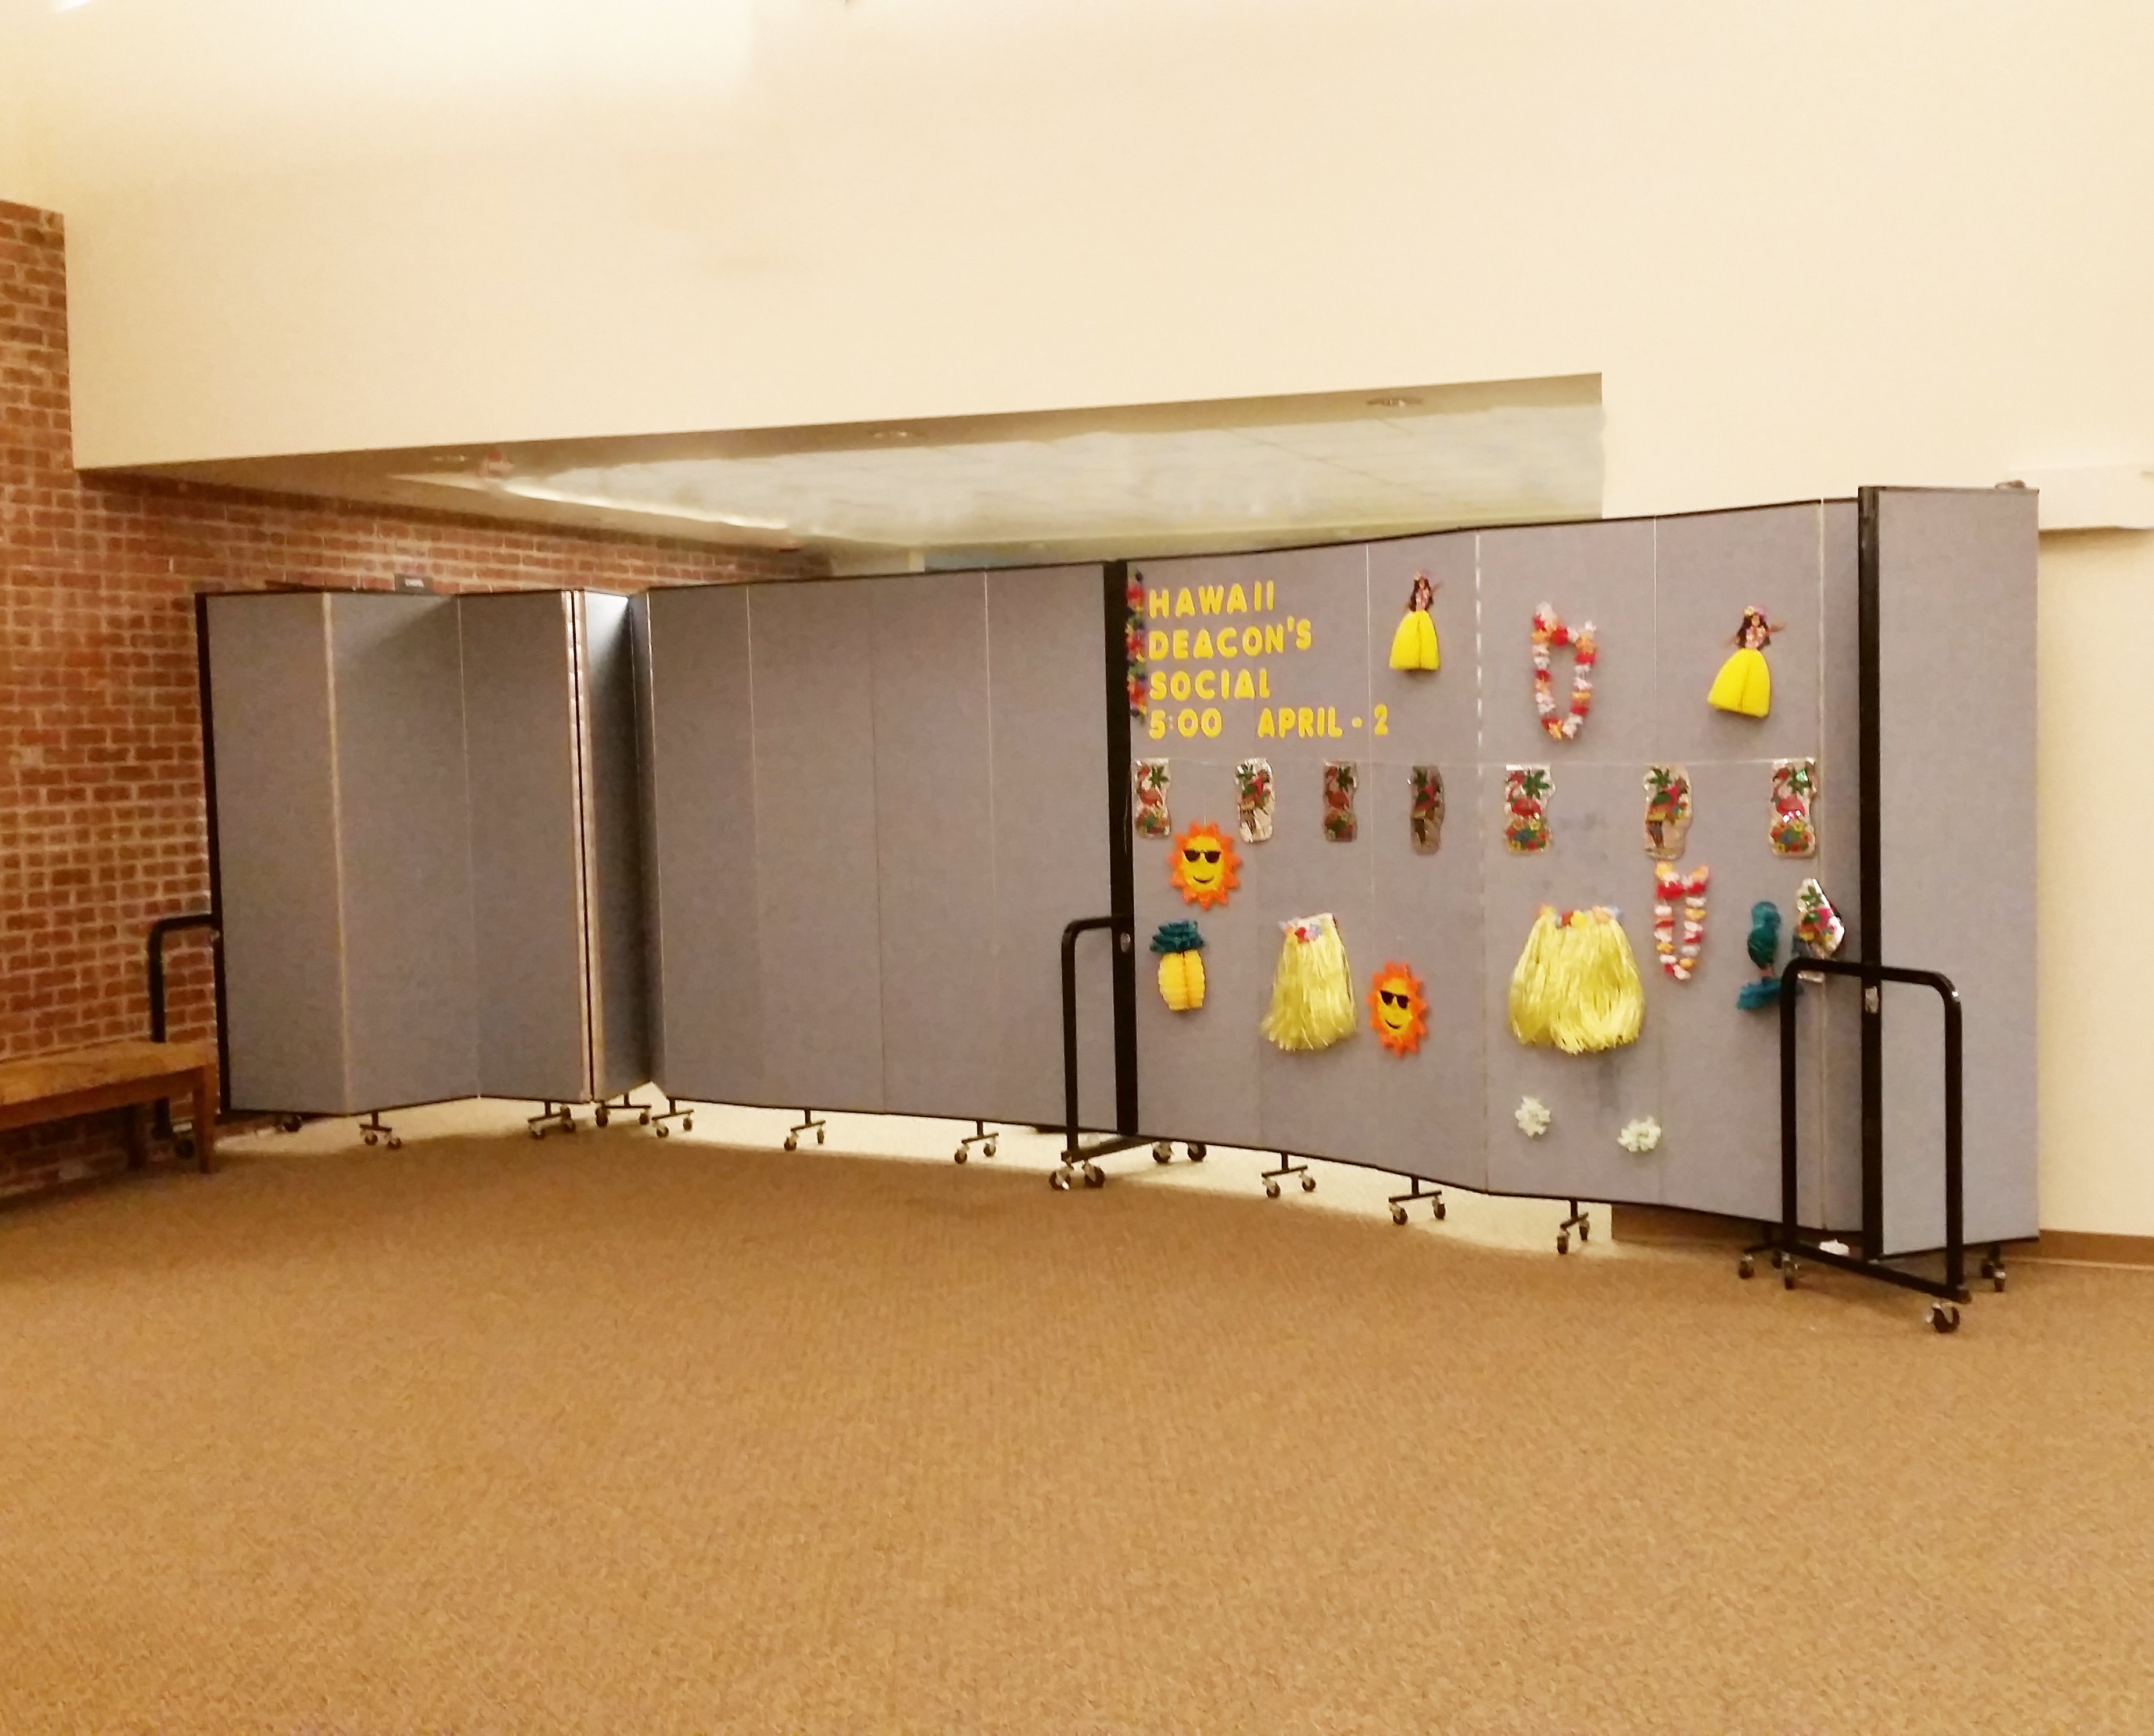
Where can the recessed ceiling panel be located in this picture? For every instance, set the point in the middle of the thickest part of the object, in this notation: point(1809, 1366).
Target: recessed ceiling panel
point(1149, 479)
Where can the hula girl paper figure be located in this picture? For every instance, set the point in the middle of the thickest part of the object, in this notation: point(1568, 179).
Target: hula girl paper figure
point(1413, 646)
point(1744, 684)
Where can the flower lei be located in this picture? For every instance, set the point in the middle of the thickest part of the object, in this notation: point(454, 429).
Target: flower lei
point(1551, 634)
point(1670, 884)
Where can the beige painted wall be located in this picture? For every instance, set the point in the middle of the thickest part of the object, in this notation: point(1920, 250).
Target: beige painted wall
point(1805, 248)
point(2096, 923)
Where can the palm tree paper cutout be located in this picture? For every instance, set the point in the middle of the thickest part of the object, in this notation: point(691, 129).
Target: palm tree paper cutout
point(1668, 811)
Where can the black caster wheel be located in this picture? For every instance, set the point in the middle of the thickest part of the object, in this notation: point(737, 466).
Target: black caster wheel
point(792, 1142)
point(1562, 1241)
point(395, 1142)
point(1787, 1274)
point(1059, 1180)
point(988, 1149)
point(1442, 1211)
point(373, 1138)
point(960, 1154)
point(1271, 1190)
point(1776, 1256)
point(1585, 1233)
point(1997, 1282)
point(818, 1136)
point(1198, 1153)
point(288, 1124)
point(1746, 1267)
point(601, 1115)
point(663, 1130)
point(183, 1148)
point(687, 1124)
point(644, 1120)
point(1164, 1153)
point(1944, 1317)
point(1095, 1177)
point(1398, 1214)
point(1308, 1184)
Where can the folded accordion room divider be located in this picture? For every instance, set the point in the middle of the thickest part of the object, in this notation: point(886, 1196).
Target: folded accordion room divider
point(425, 858)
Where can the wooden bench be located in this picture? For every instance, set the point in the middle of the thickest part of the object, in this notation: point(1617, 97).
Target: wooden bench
point(133, 1076)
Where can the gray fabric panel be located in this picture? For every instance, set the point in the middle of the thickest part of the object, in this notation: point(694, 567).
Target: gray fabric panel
point(526, 842)
point(1834, 1199)
point(614, 848)
point(276, 852)
point(405, 819)
point(812, 653)
point(1603, 574)
point(1046, 694)
point(1597, 573)
point(1595, 857)
point(1321, 1104)
point(1720, 1149)
point(935, 842)
point(1197, 1072)
point(1425, 1117)
point(1211, 1075)
point(1957, 626)
point(705, 959)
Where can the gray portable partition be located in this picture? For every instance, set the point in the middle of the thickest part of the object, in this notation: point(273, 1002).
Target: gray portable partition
point(427, 866)
point(868, 808)
point(1666, 596)
point(872, 806)
point(1951, 615)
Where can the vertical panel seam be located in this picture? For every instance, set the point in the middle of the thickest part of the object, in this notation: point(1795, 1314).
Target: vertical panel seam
point(336, 849)
point(994, 839)
point(1481, 862)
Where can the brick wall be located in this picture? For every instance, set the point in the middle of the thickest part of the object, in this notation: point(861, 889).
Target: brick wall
point(102, 826)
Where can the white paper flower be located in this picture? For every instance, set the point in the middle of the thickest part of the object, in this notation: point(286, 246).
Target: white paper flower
point(1640, 1136)
point(1532, 1115)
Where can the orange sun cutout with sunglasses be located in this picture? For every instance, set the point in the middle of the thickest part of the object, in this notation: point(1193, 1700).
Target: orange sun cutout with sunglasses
point(1397, 1011)
point(1205, 865)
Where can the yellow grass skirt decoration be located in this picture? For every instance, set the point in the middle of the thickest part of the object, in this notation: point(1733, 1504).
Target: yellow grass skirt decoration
point(1313, 989)
point(1576, 985)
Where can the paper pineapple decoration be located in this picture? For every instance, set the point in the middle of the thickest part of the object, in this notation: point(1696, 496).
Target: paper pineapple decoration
point(1180, 965)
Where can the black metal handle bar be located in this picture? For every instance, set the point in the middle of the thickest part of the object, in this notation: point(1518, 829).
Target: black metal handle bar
point(1070, 933)
point(159, 930)
point(1871, 975)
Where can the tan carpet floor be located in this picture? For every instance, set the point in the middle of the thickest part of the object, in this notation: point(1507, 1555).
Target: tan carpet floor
point(612, 1436)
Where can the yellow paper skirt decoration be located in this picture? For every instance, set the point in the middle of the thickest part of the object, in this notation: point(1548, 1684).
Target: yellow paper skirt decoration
point(1744, 684)
point(1313, 989)
point(1413, 646)
point(1576, 985)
